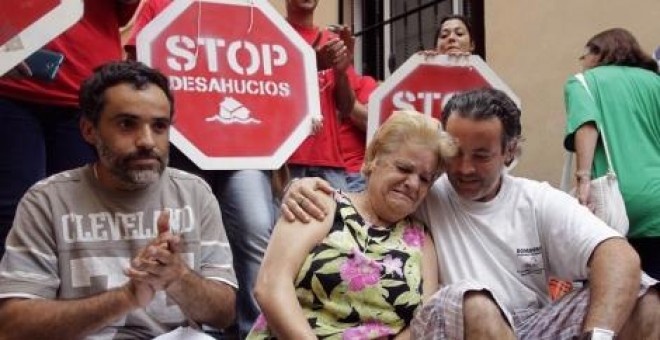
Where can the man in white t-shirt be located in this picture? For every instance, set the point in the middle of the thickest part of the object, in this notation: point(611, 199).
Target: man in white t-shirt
point(499, 238)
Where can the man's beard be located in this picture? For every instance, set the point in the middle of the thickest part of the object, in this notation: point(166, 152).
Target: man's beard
point(132, 177)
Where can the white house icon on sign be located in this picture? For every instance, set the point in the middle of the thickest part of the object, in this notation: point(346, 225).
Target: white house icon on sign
point(232, 111)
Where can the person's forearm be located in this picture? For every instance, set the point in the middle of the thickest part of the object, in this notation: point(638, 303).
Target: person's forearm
point(344, 94)
point(614, 282)
point(204, 300)
point(62, 319)
point(359, 115)
point(280, 306)
point(586, 138)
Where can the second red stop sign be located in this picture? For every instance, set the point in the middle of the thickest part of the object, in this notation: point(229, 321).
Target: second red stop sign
point(425, 84)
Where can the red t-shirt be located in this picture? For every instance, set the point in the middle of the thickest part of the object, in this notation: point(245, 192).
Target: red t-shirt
point(322, 148)
point(91, 42)
point(147, 12)
point(353, 140)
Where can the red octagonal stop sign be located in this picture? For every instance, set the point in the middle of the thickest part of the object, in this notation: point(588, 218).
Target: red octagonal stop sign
point(425, 84)
point(244, 81)
point(27, 25)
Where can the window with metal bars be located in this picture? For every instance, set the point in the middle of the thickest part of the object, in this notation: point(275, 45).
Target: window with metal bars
point(390, 31)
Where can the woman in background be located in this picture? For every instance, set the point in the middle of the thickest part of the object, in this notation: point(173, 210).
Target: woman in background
point(624, 103)
point(454, 36)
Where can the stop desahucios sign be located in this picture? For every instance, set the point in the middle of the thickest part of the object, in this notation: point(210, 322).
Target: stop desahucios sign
point(244, 81)
point(426, 83)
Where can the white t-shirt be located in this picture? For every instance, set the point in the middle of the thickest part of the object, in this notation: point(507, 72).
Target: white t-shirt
point(514, 242)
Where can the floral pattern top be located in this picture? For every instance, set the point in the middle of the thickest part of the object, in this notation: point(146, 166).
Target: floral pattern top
point(360, 281)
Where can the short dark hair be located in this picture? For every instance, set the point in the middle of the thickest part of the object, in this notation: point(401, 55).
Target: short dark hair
point(92, 90)
point(458, 17)
point(617, 46)
point(483, 104)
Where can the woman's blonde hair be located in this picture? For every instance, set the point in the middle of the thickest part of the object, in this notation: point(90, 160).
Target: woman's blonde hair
point(404, 127)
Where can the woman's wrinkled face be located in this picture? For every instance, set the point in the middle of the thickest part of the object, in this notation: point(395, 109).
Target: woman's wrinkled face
point(454, 38)
point(399, 181)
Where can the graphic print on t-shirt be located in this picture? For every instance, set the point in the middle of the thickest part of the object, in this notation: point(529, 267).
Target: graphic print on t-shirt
point(530, 261)
point(105, 226)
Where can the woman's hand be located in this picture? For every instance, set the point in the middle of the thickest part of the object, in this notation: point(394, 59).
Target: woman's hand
point(583, 192)
point(455, 56)
point(428, 54)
